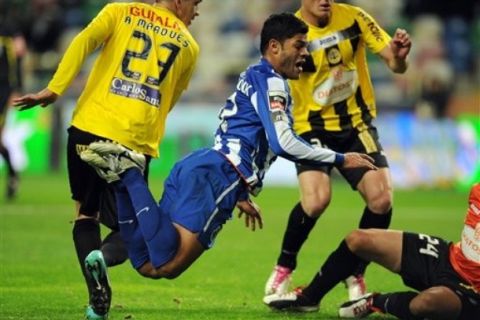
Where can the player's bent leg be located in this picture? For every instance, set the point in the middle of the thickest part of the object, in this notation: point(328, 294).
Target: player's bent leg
point(436, 303)
point(301, 221)
point(114, 249)
point(381, 246)
point(315, 191)
point(189, 249)
point(376, 189)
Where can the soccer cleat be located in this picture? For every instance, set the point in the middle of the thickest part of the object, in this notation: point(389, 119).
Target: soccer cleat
point(126, 158)
point(279, 281)
point(91, 315)
point(293, 301)
point(359, 308)
point(102, 165)
point(97, 277)
point(356, 286)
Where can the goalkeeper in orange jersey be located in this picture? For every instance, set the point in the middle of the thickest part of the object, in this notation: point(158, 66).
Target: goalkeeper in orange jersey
point(446, 274)
point(147, 57)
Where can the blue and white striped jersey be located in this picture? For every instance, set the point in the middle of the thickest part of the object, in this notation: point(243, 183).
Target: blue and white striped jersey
point(256, 127)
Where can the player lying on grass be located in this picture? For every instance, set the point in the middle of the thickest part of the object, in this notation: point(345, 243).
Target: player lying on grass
point(203, 189)
point(446, 274)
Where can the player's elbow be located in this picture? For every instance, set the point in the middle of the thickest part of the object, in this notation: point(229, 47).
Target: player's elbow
point(277, 148)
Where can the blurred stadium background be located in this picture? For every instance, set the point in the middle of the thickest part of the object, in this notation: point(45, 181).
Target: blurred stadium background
point(429, 117)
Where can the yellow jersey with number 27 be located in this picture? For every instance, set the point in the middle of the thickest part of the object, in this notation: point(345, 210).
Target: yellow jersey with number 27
point(146, 59)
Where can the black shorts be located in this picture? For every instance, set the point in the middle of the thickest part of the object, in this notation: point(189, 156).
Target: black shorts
point(425, 264)
point(354, 140)
point(5, 92)
point(94, 194)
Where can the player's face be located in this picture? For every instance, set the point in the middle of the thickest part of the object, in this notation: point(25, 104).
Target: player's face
point(292, 56)
point(317, 12)
point(188, 10)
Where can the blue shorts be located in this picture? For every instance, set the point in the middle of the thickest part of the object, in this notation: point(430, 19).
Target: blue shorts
point(201, 192)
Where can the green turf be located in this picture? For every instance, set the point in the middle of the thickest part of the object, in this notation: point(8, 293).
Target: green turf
point(40, 277)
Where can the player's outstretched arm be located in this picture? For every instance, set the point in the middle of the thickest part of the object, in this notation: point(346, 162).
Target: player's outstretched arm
point(252, 213)
point(358, 160)
point(42, 98)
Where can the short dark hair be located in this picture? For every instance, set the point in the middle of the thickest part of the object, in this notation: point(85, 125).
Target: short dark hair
point(280, 27)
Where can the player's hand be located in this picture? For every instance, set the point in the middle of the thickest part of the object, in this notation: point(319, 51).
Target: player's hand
point(42, 98)
point(358, 160)
point(252, 213)
point(401, 44)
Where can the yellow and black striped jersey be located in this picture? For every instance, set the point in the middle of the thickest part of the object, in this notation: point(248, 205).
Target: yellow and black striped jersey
point(334, 92)
point(147, 57)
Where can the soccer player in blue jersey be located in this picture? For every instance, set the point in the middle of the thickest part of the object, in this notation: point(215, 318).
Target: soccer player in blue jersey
point(203, 189)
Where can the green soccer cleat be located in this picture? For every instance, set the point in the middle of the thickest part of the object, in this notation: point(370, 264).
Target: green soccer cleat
point(100, 292)
point(91, 315)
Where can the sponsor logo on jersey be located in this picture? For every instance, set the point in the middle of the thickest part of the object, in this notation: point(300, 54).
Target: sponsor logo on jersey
point(374, 28)
point(471, 244)
point(340, 85)
point(277, 100)
point(152, 16)
point(324, 42)
point(136, 91)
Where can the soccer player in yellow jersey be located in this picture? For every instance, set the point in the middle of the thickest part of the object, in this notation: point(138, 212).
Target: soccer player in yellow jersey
point(12, 48)
point(334, 106)
point(147, 57)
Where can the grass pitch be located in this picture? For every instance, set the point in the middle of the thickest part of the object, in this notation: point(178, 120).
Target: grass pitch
point(40, 277)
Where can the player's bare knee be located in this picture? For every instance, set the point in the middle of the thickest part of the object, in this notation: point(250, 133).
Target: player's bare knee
point(315, 206)
point(380, 204)
point(420, 305)
point(172, 273)
point(436, 302)
point(358, 240)
point(147, 272)
point(170, 270)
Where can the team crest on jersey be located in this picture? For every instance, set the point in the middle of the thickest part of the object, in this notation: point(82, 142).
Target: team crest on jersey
point(277, 100)
point(334, 56)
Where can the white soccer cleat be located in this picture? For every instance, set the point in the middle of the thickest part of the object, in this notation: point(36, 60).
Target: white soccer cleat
point(126, 158)
point(102, 165)
point(293, 301)
point(359, 308)
point(279, 281)
point(356, 287)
